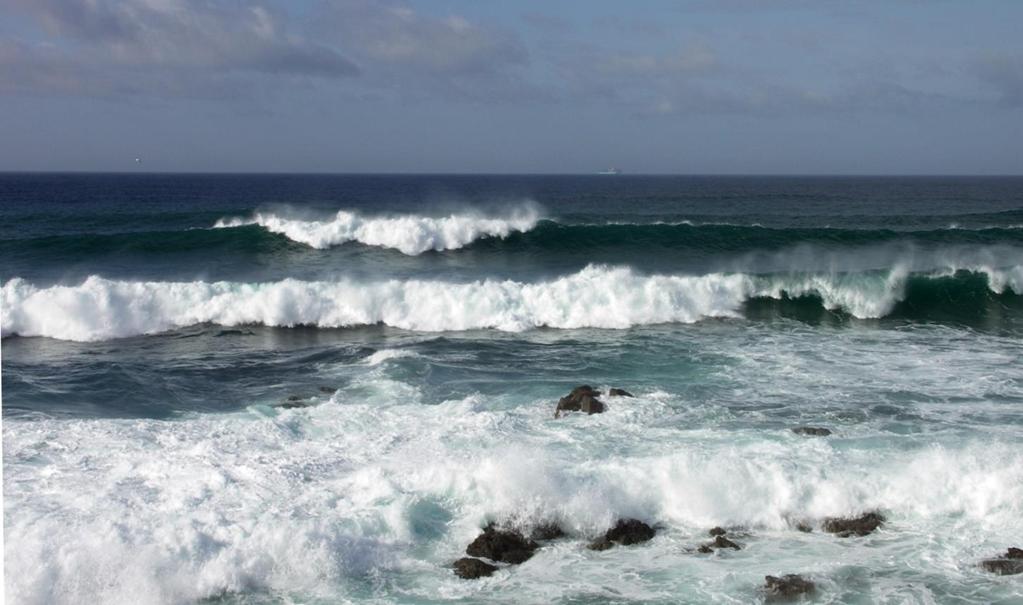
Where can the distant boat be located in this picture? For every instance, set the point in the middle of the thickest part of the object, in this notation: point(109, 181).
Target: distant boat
point(611, 170)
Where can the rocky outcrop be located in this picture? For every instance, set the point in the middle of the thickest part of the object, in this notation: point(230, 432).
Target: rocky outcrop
point(717, 531)
point(853, 526)
point(720, 541)
point(625, 532)
point(615, 392)
point(502, 545)
point(787, 587)
point(811, 431)
point(1010, 563)
point(582, 399)
point(470, 569)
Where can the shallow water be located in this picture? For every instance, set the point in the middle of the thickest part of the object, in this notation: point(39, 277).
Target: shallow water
point(146, 459)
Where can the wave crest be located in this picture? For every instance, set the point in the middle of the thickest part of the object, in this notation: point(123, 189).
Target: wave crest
point(411, 234)
point(596, 297)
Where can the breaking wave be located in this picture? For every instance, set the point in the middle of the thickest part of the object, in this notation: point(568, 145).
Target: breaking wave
point(596, 297)
point(411, 234)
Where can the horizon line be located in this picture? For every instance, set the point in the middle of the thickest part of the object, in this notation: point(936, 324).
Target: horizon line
point(512, 174)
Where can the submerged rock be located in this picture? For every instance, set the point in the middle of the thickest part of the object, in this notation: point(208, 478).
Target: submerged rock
point(328, 390)
point(720, 541)
point(811, 431)
point(293, 401)
point(787, 586)
point(854, 526)
point(1010, 563)
point(502, 545)
point(470, 569)
point(717, 531)
point(625, 532)
point(582, 399)
point(619, 393)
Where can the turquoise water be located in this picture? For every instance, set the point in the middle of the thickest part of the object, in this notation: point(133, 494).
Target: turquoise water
point(148, 341)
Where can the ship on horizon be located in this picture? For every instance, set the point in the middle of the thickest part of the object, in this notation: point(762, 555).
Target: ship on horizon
point(611, 170)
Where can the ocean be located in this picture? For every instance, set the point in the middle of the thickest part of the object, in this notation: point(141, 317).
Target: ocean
point(254, 389)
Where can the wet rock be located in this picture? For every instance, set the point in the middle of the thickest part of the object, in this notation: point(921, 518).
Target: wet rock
point(501, 545)
point(293, 401)
point(619, 393)
point(582, 399)
point(470, 569)
point(804, 527)
point(1010, 563)
point(720, 541)
point(547, 531)
point(328, 390)
point(630, 531)
point(590, 405)
point(811, 431)
point(723, 542)
point(787, 586)
point(854, 526)
point(717, 531)
point(625, 532)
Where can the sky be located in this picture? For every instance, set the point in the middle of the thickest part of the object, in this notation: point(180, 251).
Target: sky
point(459, 86)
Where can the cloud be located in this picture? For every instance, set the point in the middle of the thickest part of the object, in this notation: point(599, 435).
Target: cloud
point(393, 36)
point(1004, 74)
point(99, 46)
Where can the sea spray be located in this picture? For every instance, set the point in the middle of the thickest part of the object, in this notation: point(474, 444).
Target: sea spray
point(596, 297)
point(412, 234)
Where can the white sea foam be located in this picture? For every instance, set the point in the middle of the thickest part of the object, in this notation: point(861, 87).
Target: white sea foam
point(411, 233)
point(385, 355)
point(596, 297)
point(325, 503)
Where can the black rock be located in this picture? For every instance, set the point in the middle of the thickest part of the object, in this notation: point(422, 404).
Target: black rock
point(328, 390)
point(590, 405)
point(630, 531)
point(501, 545)
point(600, 544)
point(1003, 567)
point(717, 531)
point(470, 569)
point(582, 399)
point(720, 541)
point(547, 531)
point(787, 586)
point(804, 527)
point(723, 542)
point(619, 393)
point(811, 431)
point(856, 526)
point(1010, 563)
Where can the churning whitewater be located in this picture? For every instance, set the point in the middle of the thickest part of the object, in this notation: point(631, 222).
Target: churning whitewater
point(596, 297)
point(268, 390)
